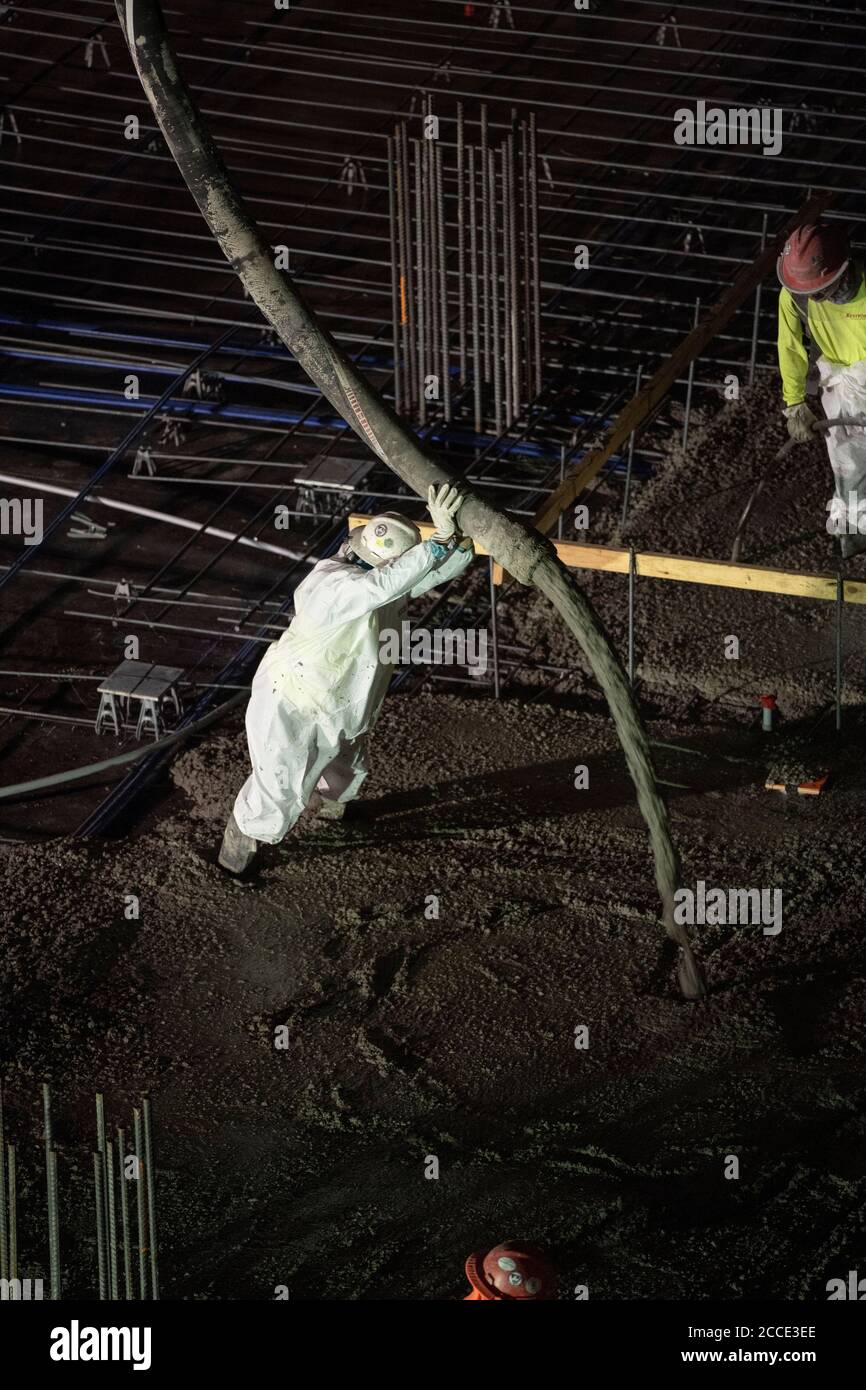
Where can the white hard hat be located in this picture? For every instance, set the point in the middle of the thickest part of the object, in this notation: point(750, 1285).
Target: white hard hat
point(384, 538)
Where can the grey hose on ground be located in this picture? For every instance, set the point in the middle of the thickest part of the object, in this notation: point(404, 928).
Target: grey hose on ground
point(526, 554)
point(74, 774)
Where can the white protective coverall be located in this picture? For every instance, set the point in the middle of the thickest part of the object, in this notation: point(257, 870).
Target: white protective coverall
point(319, 689)
point(843, 394)
point(839, 332)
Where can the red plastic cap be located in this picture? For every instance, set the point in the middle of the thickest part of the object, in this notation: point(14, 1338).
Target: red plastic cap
point(513, 1271)
point(768, 701)
point(813, 257)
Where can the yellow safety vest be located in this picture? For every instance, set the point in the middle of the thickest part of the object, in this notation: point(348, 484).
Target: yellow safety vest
point(837, 330)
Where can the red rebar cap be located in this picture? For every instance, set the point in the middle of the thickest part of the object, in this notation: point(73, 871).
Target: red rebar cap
point(514, 1271)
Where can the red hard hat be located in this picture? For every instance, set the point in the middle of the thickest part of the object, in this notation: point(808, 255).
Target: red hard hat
point(813, 257)
point(513, 1270)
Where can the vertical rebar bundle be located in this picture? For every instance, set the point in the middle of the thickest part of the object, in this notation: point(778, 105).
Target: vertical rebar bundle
point(105, 1205)
point(112, 1222)
point(51, 1193)
point(151, 1196)
point(406, 216)
point(528, 300)
point(484, 155)
point(430, 231)
point(103, 1187)
point(513, 277)
point(534, 253)
point(4, 1221)
point(461, 244)
point(445, 343)
point(140, 1205)
point(465, 288)
point(495, 344)
point(99, 1207)
point(110, 1189)
point(473, 276)
point(505, 220)
point(113, 1190)
point(124, 1215)
point(396, 317)
point(12, 1188)
point(53, 1226)
point(420, 301)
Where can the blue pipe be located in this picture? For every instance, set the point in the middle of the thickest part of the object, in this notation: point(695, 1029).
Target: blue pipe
point(139, 368)
point(149, 340)
point(304, 387)
point(213, 411)
point(85, 330)
point(207, 409)
point(28, 553)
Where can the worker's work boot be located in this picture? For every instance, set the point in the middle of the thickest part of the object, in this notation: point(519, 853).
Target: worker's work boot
point(238, 850)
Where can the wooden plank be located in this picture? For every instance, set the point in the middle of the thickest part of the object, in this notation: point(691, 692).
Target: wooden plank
point(687, 569)
point(125, 678)
point(170, 674)
point(723, 574)
point(131, 668)
point(150, 689)
point(639, 409)
point(119, 685)
point(592, 557)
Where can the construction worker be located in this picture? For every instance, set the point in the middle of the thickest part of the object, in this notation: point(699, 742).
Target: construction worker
point(511, 1272)
point(823, 294)
point(319, 689)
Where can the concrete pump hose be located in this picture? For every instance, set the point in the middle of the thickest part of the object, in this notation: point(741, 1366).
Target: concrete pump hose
point(524, 554)
point(569, 600)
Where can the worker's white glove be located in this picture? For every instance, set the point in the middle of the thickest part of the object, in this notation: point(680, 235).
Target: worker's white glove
point(443, 505)
point(801, 422)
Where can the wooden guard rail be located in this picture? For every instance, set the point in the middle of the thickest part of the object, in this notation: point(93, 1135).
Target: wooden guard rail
point(687, 569)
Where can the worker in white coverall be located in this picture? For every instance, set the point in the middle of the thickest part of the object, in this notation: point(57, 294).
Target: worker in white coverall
point(319, 689)
point(824, 295)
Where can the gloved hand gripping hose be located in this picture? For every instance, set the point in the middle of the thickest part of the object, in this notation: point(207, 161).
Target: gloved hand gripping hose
point(819, 427)
point(443, 504)
point(801, 420)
